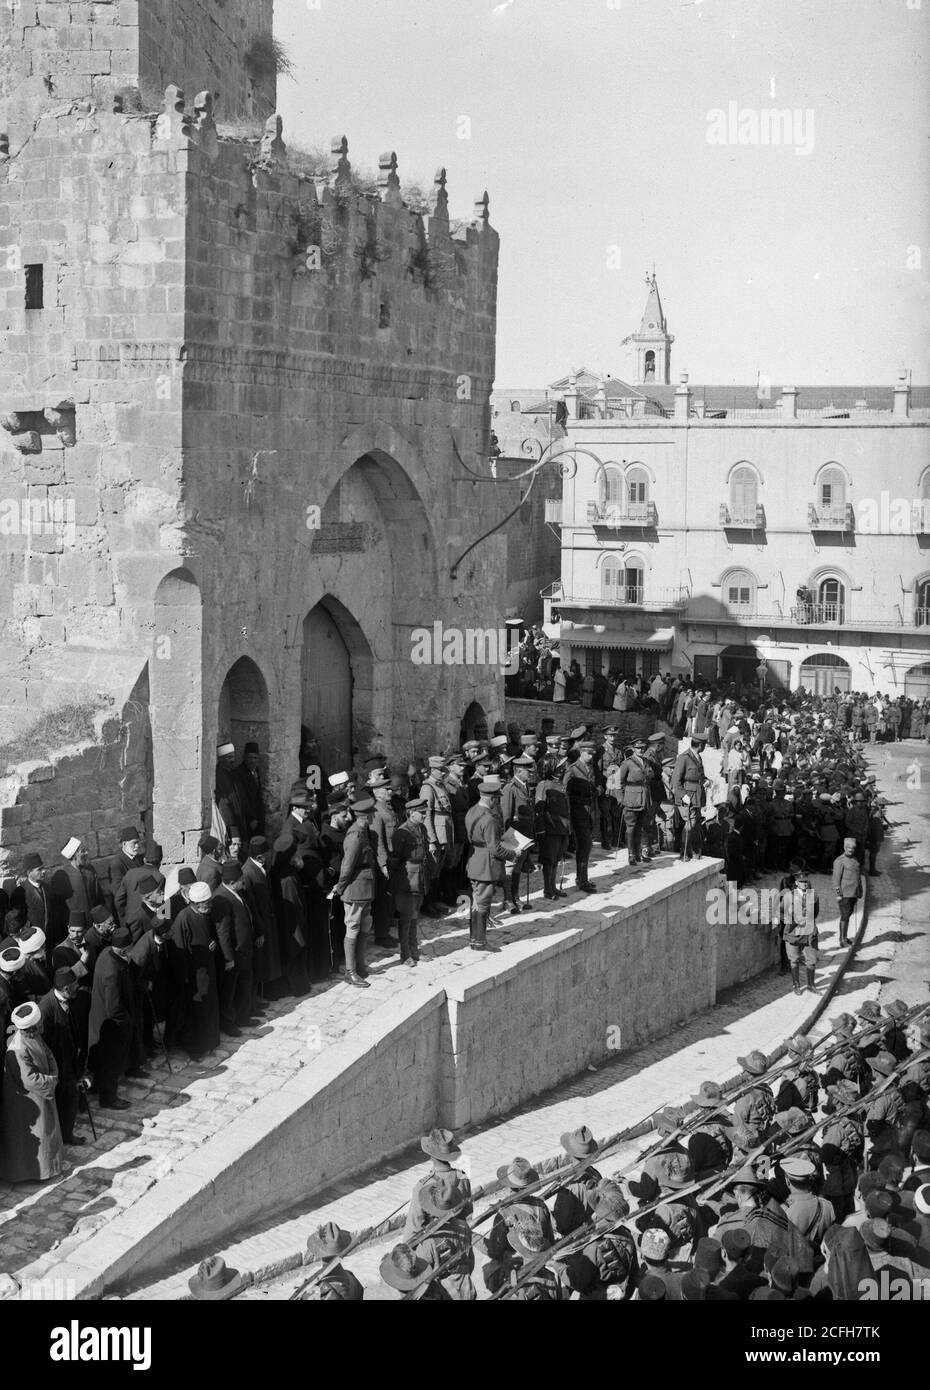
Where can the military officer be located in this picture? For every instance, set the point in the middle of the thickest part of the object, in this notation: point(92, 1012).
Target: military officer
point(690, 796)
point(440, 1146)
point(384, 822)
point(517, 811)
point(440, 831)
point(552, 825)
point(582, 800)
point(486, 862)
point(655, 745)
point(636, 801)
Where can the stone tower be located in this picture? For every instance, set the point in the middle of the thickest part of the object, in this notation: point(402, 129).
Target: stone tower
point(235, 402)
point(653, 341)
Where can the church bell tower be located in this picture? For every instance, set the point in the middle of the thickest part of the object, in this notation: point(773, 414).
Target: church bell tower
point(653, 342)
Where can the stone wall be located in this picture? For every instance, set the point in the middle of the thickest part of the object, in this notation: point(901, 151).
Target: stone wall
point(245, 396)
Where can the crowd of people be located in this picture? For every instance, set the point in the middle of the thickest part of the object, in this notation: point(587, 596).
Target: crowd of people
point(807, 1180)
point(103, 966)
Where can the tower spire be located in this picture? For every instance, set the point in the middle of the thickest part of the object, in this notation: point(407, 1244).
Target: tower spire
point(653, 342)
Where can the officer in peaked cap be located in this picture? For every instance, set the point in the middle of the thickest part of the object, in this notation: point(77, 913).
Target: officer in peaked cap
point(440, 831)
point(485, 867)
point(635, 798)
point(517, 811)
point(688, 791)
point(581, 791)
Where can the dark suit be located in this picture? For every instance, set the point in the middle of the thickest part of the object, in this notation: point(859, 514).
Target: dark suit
point(269, 957)
point(73, 890)
point(59, 1033)
point(116, 869)
point(582, 800)
point(152, 971)
point(128, 899)
point(112, 1009)
point(229, 799)
point(251, 801)
point(235, 935)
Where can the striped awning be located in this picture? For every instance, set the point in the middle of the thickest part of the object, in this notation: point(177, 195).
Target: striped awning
point(597, 635)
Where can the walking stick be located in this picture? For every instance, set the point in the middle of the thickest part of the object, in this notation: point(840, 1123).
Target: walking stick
point(82, 1095)
point(161, 1038)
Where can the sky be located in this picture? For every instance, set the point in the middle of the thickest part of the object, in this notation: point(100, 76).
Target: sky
point(800, 252)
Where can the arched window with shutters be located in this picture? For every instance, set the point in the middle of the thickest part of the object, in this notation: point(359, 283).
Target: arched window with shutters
point(831, 600)
point(611, 489)
point(739, 592)
point(637, 482)
point(610, 576)
point(831, 488)
point(744, 493)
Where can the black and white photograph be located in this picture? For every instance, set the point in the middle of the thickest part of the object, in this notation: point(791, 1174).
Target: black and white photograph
point(465, 665)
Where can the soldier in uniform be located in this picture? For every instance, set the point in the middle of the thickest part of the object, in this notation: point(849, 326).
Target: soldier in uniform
point(800, 932)
point(800, 1087)
point(841, 1148)
point(454, 872)
point(440, 832)
point(552, 824)
point(486, 862)
point(575, 1200)
point(403, 1269)
point(710, 1142)
point(444, 1197)
point(582, 799)
point(753, 1111)
point(517, 811)
point(516, 1176)
point(337, 1284)
point(443, 1152)
point(528, 1240)
point(655, 745)
point(410, 868)
point(384, 823)
point(356, 888)
point(635, 798)
point(690, 796)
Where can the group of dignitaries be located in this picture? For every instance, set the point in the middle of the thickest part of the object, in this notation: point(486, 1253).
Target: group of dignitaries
point(99, 970)
point(807, 1179)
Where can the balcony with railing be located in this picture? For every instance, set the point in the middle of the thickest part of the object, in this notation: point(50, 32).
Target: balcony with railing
point(658, 599)
point(819, 614)
point(836, 518)
point(742, 518)
point(619, 515)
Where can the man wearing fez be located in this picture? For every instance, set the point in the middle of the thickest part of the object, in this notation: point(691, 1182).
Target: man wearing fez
point(410, 869)
point(135, 883)
point(61, 1038)
point(289, 863)
point(193, 935)
point(31, 895)
point(128, 856)
point(209, 870)
point(355, 888)
point(111, 1018)
point(235, 937)
point(690, 796)
point(251, 798)
point(270, 950)
point(152, 974)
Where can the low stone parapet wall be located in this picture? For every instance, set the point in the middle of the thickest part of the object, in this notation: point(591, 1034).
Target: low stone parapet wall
point(594, 980)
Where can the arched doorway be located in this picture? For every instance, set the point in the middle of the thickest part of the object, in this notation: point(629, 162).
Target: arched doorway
point(176, 704)
point(824, 673)
point(917, 682)
point(243, 707)
point(337, 683)
point(474, 723)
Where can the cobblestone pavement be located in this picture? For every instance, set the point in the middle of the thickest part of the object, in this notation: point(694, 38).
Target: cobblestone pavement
point(892, 961)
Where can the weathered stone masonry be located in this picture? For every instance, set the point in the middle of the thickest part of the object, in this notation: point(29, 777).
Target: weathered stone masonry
point(245, 389)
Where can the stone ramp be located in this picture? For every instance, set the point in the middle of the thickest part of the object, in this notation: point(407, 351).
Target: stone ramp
point(614, 1097)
